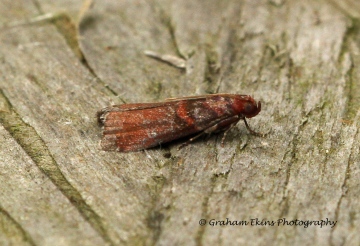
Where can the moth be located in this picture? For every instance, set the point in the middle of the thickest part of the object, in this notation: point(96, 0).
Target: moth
point(133, 127)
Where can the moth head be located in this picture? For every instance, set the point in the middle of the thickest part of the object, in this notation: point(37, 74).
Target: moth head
point(251, 109)
point(246, 106)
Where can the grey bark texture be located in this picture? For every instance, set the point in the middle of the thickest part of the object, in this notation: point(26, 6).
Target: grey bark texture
point(301, 59)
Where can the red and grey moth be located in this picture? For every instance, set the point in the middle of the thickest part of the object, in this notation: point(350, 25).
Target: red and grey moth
point(132, 127)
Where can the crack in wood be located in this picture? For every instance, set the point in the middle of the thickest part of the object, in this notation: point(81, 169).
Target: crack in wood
point(12, 226)
point(344, 187)
point(26, 136)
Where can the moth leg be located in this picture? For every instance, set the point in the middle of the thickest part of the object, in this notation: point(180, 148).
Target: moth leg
point(252, 131)
point(223, 125)
point(225, 133)
point(247, 127)
point(190, 140)
point(197, 136)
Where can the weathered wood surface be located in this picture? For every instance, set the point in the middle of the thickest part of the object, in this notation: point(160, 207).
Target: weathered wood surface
point(300, 58)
